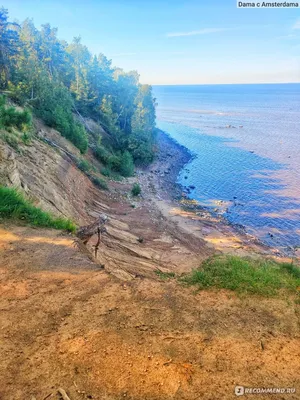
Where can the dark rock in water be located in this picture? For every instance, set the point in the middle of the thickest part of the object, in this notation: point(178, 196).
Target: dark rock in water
point(270, 234)
point(192, 187)
point(234, 197)
point(185, 177)
point(251, 151)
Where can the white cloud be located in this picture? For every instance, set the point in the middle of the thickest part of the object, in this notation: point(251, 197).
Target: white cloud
point(297, 24)
point(205, 31)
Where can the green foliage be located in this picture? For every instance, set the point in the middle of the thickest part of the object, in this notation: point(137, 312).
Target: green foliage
point(9, 43)
point(84, 166)
point(26, 138)
point(122, 163)
point(126, 167)
point(64, 82)
point(141, 139)
point(13, 205)
point(100, 183)
point(291, 269)
point(16, 125)
point(136, 189)
point(12, 140)
point(164, 275)
point(10, 117)
point(102, 154)
point(106, 172)
point(114, 162)
point(54, 105)
point(245, 275)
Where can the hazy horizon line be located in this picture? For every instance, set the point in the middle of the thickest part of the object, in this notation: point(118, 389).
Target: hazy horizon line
point(211, 84)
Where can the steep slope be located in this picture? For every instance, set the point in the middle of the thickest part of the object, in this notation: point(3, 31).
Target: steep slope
point(67, 322)
point(139, 240)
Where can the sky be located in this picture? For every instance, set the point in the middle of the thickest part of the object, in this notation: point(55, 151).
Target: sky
point(178, 42)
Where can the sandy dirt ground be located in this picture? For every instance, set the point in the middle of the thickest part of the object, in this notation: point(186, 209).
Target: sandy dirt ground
point(67, 323)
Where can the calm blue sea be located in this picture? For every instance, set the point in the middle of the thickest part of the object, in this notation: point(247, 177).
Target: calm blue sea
point(246, 143)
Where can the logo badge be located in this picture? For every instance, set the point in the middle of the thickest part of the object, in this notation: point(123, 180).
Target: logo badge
point(239, 390)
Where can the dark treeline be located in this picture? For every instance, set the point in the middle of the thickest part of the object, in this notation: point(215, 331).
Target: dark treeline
point(62, 81)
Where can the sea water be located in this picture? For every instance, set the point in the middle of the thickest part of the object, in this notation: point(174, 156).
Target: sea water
point(246, 145)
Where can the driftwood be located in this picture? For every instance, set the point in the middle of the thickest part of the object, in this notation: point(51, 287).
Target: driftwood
point(86, 232)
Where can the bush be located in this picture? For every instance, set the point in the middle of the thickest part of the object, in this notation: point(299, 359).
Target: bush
point(84, 165)
point(114, 162)
point(106, 172)
point(26, 138)
point(126, 164)
point(13, 205)
point(9, 116)
point(136, 189)
point(12, 140)
point(100, 183)
point(141, 149)
point(102, 154)
point(54, 105)
point(262, 277)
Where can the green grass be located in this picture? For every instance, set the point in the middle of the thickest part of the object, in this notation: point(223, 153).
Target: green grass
point(11, 139)
point(84, 166)
point(13, 205)
point(100, 183)
point(112, 175)
point(245, 275)
point(164, 275)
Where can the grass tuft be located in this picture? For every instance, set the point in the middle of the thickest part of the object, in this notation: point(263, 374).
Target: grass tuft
point(13, 205)
point(164, 275)
point(100, 183)
point(245, 275)
point(84, 166)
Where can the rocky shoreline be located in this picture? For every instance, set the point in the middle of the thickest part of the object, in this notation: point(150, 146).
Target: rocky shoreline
point(171, 158)
point(161, 190)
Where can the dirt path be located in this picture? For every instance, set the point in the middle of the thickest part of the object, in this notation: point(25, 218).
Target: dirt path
point(66, 323)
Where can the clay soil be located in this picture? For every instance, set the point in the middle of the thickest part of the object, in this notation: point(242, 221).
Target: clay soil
point(67, 323)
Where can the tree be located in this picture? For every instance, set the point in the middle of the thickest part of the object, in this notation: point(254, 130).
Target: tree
point(140, 141)
point(9, 42)
point(81, 58)
point(61, 82)
point(126, 90)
